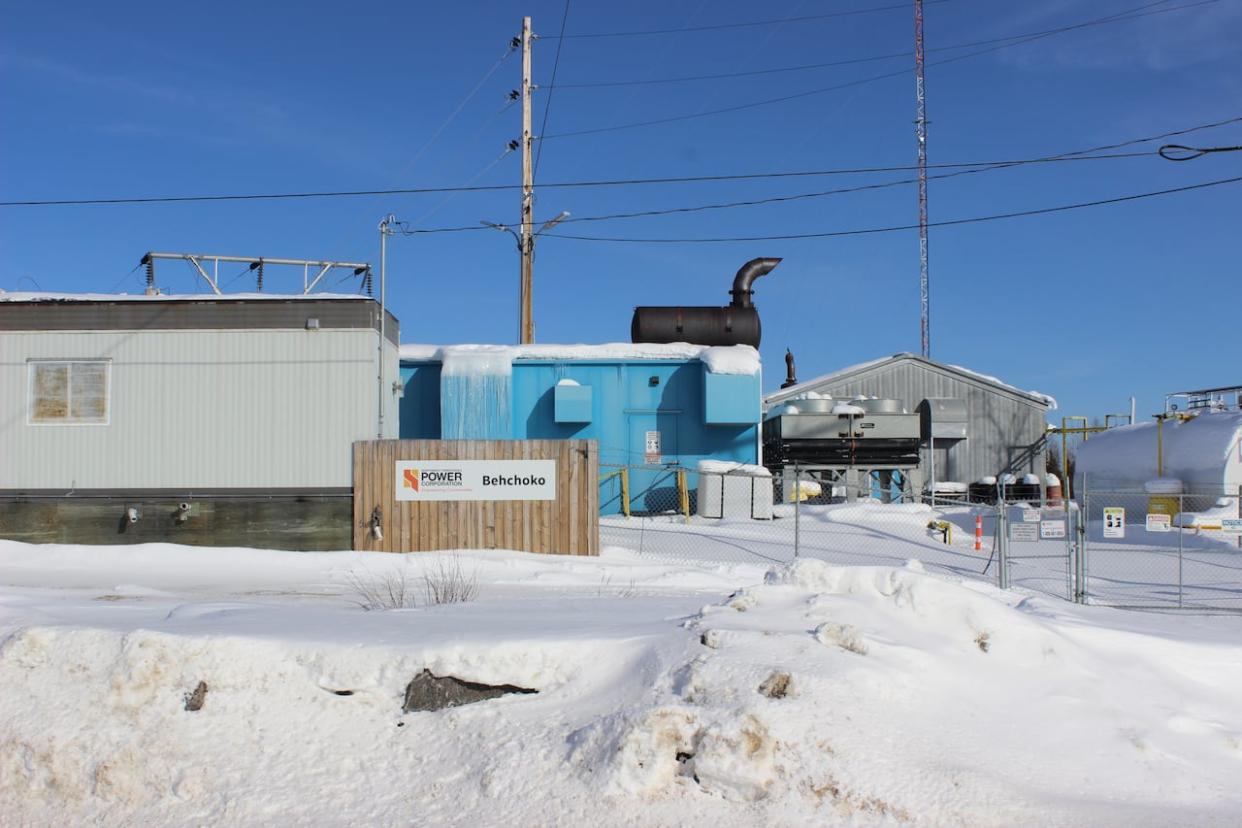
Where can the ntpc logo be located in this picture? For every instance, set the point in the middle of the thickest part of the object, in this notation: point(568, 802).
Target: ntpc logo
point(420, 479)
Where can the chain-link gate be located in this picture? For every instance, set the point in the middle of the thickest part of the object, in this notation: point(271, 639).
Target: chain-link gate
point(1162, 551)
point(751, 516)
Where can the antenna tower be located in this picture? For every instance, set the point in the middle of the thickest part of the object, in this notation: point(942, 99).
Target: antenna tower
point(921, 129)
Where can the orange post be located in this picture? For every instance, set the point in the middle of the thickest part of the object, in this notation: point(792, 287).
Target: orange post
point(978, 533)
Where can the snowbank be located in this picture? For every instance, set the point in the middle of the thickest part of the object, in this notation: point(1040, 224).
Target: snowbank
point(667, 695)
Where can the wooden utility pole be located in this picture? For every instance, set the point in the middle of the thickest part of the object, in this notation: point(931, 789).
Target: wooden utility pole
point(526, 328)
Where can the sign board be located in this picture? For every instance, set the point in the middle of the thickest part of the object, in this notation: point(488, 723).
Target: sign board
point(476, 480)
point(1023, 532)
point(1114, 522)
point(1159, 523)
point(1231, 526)
point(1052, 528)
point(651, 447)
point(1030, 515)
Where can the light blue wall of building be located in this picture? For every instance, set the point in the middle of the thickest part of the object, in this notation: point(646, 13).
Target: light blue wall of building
point(627, 399)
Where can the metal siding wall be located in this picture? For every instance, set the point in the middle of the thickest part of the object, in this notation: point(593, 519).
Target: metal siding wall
point(244, 409)
point(1000, 427)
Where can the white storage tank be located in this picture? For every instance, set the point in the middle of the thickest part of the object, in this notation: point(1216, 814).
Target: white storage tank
point(734, 490)
point(1204, 452)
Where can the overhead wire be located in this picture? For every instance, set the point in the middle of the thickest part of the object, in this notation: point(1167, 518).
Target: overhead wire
point(547, 106)
point(1087, 154)
point(1178, 152)
point(870, 58)
point(456, 111)
point(124, 278)
point(450, 196)
point(896, 228)
point(1117, 17)
point(691, 179)
point(750, 24)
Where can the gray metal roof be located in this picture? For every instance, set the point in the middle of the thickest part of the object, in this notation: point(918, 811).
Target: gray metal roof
point(964, 374)
point(42, 312)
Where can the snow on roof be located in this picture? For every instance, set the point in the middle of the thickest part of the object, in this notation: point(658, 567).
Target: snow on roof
point(1047, 399)
point(803, 387)
point(729, 467)
point(45, 297)
point(734, 359)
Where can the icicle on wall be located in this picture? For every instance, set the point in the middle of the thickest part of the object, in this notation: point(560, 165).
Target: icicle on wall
point(476, 393)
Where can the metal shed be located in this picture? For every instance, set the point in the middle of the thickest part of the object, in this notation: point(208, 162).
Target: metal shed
point(243, 407)
point(1005, 425)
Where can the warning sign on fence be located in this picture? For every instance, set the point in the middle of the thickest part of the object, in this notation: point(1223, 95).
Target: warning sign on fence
point(1052, 528)
point(1114, 522)
point(1231, 526)
point(1159, 523)
point(1022, 532)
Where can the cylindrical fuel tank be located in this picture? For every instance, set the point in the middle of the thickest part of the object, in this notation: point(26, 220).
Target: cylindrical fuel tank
point(729, 325)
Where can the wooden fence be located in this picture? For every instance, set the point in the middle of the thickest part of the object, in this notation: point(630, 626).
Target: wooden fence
point(567, 525)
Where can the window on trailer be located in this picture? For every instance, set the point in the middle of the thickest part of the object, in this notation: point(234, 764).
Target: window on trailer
point(69, 392)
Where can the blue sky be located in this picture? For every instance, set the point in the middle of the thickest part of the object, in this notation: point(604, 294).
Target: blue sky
point(1092, 306)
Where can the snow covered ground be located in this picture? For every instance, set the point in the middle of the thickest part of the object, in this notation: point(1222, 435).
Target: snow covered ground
point(1143, 569)
point(668, 694)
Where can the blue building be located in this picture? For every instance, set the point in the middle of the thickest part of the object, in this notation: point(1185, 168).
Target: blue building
point(663, 407)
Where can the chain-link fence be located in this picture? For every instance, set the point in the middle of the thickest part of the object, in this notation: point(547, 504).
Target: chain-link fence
point(749, 516)
point(1162, 551)
point(1123, 549)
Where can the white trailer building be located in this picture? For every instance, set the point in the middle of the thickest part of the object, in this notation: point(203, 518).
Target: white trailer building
point(198, 419)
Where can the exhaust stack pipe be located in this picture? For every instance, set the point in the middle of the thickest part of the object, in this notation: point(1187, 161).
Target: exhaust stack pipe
point(736, 323)
point(746, 277)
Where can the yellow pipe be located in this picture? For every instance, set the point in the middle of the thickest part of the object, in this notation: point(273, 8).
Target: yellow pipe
point(683, 493)
point(1160, 446)
point(625, 491)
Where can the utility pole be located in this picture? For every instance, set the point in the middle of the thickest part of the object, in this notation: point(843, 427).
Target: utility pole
point(526, 328)
point(385, 230)
point(921, 130)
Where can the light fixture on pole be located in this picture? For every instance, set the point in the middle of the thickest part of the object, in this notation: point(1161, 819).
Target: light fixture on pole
point(526, 313)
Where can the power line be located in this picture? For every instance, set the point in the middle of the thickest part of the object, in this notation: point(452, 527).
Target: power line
point(892, 229)
point(1088, 154)
point(456, 111)
point(873, 58)
point(842, 190)
point(1118, 17)
point(784, 198)
point(1177, 152)
point(847, 13)
point(547, 107)
point(693, 179)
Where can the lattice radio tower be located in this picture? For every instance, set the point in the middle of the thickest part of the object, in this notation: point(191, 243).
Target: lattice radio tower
point(921, 129)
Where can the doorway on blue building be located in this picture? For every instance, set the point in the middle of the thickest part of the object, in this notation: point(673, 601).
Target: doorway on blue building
point(652, 444)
